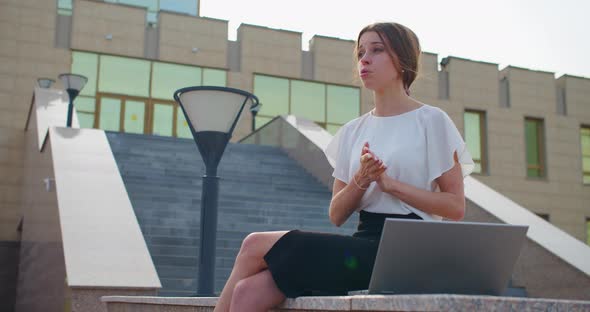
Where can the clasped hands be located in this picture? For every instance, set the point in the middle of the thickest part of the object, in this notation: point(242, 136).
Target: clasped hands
point(372, 169)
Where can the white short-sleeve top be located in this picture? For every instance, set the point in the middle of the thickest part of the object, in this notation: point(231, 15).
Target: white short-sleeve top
point(417, 147)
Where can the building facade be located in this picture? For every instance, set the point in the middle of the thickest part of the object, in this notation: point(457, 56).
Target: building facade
point(529, 133)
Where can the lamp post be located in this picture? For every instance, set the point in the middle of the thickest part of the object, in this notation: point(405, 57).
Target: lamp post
point(254, 109)
point(212, 114)
point(45, 83)
point(73, 84)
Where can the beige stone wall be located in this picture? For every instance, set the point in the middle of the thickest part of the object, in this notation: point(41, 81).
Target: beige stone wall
point(270, 51)
point(179, 34)
point(264, 50)
point(578, 97)
point(333, 60)
point(532, 94)
point(26, 53)
point(93, 20)
point(425, 87)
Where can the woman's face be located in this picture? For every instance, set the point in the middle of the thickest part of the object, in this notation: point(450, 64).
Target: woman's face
point(375, 65)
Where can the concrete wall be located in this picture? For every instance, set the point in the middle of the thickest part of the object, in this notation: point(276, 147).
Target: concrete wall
point(93, 21)
point(26, 53)
point(179, 34)
point(41, 272)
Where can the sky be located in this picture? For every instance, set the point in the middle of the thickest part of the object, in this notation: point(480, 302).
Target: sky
point(545, 35)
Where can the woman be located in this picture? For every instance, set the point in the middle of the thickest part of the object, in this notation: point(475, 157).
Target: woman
point(403, 159)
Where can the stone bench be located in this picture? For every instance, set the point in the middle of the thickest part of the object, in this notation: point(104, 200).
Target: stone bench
point(435, 302)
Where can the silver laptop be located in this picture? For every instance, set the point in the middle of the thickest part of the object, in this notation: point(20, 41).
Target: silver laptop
point(445, 257)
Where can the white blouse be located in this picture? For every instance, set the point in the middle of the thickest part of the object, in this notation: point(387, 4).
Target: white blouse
point(417, 147)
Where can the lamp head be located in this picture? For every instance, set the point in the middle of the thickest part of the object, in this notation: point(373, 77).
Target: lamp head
point(73, 82)
point(212, 114)
point(45, 83)
point(212, 108)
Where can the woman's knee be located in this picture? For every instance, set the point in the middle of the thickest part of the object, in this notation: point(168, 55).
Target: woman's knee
point(251, 244)
point(244, 294)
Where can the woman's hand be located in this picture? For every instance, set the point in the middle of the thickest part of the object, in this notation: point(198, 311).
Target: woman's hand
point(386, 183)
point(370, 170)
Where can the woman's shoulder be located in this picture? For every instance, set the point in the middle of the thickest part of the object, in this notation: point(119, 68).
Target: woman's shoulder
point(429, 113)
point(431, 110)
point(355, 123)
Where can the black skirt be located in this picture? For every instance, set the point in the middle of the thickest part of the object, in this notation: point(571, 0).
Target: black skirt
point(312, 263)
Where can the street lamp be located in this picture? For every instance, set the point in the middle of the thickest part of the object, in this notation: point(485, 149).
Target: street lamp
point(254, 109)
point(45, 83)
point(212, 114)
point(73, 84)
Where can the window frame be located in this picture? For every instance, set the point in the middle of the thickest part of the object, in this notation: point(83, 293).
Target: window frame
point(149, 100)
point(483, 144)
point(584, 173)
point(323, 123)
point(541, 148)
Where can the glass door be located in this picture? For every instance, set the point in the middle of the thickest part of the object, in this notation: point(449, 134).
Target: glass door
point(162, 119)
point(121, 113)
point(134, 120)
point(168, 120)
point(109, 113)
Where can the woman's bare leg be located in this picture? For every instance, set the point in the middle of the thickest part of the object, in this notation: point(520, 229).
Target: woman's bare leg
point(257, 293)
point(249, 262)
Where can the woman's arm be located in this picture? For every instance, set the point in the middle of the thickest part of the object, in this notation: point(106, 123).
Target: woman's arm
point(345, 200)
point(448, 203)
point(346, 197)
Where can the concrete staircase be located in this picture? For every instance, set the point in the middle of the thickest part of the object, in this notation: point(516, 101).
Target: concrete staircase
point(261, 189)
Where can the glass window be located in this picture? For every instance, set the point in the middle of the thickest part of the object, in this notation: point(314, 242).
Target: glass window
point(86, 64)
point(124, 75)
point(182, 128)
point(163, 114)
point(534, 147)
point(475, 138)
point(110, 114)
point(134, 116)
point(343, 104)
point(273, 93)
point(333, 128)
point(85, 108)
point(185, 6)
point(261, 121)
point(585, 142)
point(86, 120)
point(214, 77)
point(308, 100)
point(64, 7)
point(168, 78)
point(85, 104)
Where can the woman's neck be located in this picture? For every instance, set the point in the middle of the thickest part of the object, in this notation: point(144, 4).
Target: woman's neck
point(393, 101)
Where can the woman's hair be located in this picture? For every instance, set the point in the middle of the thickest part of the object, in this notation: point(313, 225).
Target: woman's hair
point(402, 45)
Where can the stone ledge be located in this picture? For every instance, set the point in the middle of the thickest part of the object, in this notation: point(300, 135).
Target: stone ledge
point(437, 302)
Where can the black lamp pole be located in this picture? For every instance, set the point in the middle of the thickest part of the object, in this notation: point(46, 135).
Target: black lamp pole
point(211, 143)
point(73, 83)
point(72, 93)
